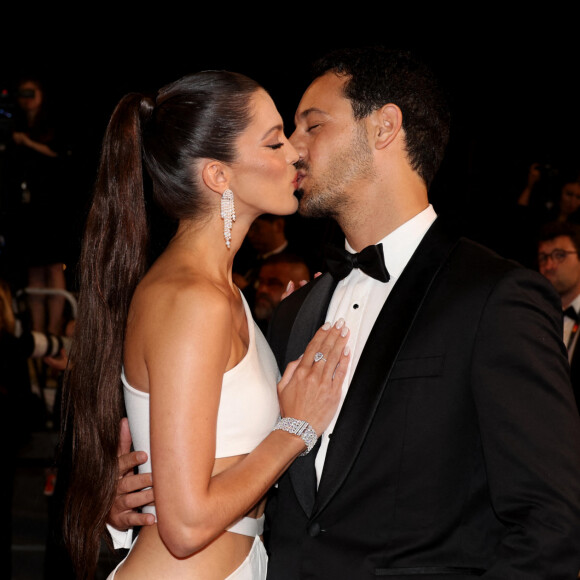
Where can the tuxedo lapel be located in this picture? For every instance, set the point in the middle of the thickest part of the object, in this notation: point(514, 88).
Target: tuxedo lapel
point(309, 319)
point(371, 375)
point(575, 374)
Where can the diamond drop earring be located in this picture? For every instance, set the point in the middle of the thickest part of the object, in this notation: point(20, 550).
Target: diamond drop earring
point(228, 214)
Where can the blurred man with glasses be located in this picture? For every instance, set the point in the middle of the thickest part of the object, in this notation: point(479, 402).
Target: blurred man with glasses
point(559, 262)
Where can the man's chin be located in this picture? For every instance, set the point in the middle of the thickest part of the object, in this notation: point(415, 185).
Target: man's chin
point(303, 209)
point(309, 209)
point(263, 312)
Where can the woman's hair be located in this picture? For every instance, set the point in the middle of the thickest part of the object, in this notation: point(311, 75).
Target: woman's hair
point(199, 116)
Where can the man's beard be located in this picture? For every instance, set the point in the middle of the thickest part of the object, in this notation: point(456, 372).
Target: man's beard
point(314, 206)
point(263, 308)
point(317, 203)
point(327, 196)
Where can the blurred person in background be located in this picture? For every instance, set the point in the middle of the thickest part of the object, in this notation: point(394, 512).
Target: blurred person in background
point(276, 272)
point(266, 236)
point(37, 180)
point(559, 262)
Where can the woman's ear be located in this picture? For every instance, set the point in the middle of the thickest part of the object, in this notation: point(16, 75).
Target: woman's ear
point(389, 120)
point(215, 175)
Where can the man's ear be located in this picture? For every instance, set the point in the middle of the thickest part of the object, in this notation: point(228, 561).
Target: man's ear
point(215, 175)
point(388, 123)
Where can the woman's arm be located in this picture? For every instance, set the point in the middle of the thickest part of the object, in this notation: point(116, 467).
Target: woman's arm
point(186, 358)
point(21, 138)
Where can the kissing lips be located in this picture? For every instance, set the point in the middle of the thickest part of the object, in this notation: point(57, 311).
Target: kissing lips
point(298, 179)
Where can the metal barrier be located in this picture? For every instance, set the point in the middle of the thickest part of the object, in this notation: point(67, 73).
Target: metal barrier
point(52, 291)
point(37, 369)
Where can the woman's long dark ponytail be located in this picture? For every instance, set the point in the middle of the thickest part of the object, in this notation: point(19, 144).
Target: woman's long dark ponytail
point(113, 260)
point(198, 116)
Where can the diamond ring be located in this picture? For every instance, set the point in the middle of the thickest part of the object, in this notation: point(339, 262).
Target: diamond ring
point(319, 356)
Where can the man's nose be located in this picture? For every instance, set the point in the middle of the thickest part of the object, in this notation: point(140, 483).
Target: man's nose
point(549, 263)
point(298, 144)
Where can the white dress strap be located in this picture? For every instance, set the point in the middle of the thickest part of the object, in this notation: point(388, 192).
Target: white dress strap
point(248, 526)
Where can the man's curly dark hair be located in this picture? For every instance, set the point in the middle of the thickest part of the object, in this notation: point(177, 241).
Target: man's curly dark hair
point(377, 76)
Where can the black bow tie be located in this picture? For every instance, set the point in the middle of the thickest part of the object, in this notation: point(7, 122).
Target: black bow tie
point(571, 313)
point(370, 260)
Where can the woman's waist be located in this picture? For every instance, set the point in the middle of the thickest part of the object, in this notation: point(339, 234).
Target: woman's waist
point(150, 556)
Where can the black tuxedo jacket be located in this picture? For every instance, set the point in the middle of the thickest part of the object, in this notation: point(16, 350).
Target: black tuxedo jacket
point(575, 374)
point(457, 450)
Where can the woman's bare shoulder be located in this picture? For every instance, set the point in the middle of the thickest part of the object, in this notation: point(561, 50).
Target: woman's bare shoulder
point(177, 322)
point(180, 298)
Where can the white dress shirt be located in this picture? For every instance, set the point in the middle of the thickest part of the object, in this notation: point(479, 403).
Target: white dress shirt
point(358, 299)
point(568, 328)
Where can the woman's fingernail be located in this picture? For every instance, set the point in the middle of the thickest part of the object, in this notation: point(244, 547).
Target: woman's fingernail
point(344, 331)
point(289, 286)
point(326, 326)
point(346, 350)
point(340, 323)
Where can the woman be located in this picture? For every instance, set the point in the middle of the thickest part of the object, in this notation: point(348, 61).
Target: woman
point(194, 366)
point(40, 174)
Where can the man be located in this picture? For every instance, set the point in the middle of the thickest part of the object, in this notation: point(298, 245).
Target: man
point(456, 450)
point(276, 273)
point(266, 237)
point(559, 262)
point(438, 462)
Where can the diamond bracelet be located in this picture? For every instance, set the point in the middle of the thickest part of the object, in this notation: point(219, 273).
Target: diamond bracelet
point(301, 428)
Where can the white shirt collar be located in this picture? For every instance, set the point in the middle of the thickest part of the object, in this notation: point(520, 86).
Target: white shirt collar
point(277, 250)
point(399, 245)
point(576, 303)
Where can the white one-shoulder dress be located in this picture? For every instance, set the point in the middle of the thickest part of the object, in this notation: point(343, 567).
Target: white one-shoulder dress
point(247, 413)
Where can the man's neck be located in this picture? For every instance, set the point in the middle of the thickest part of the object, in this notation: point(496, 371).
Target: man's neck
point(361, 235)
point(569, 297)
point(381, 208)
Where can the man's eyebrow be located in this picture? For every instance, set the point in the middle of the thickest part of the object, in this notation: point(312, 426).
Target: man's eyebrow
point(307, 112)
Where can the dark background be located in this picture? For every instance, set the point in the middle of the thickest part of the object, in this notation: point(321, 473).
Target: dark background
point(512, 80)
point(512, 88)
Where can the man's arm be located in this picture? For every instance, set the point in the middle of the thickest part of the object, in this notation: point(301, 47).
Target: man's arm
point(530, 429)
point(131, 492)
